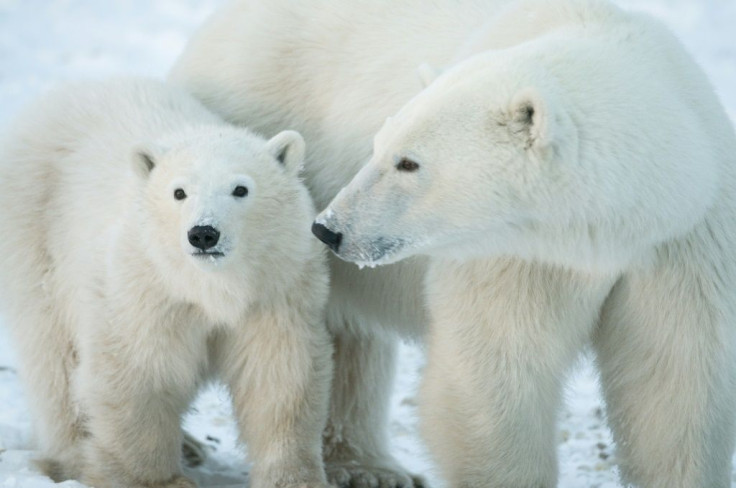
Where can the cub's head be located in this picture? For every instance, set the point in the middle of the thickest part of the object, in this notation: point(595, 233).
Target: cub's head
point(222, 199)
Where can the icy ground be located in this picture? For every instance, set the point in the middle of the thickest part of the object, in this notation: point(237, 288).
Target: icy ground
point(44, 41)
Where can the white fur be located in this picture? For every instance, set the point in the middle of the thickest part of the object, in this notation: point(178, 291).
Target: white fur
point(118, 323)
point(575, 184)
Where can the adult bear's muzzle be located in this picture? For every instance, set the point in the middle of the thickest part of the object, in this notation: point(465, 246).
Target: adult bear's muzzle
point(332, 239)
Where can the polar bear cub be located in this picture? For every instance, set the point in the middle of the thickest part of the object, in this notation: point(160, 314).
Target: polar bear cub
point(153, 247)
point(572, 181)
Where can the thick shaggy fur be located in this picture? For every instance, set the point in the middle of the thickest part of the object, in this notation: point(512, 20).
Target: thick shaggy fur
point(118, 322)
point(576, 183)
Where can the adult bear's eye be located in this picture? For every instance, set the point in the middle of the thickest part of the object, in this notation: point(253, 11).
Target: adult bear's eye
point(240, 191)
point(179, 194)
point(406, 164)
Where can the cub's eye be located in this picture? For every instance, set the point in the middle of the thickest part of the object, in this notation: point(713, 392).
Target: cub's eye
point(406, 164)
point(179, 194)
point(240, 191)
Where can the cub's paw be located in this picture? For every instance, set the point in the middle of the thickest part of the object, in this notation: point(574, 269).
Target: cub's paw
point(52, 468)
point(178, 481)
point(60, 470)
point(353, 474)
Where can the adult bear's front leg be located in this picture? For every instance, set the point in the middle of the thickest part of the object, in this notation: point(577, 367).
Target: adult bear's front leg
point(504, 333)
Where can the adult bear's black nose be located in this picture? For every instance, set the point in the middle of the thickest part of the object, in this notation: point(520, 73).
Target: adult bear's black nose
point(332, 239)
point(203, 236)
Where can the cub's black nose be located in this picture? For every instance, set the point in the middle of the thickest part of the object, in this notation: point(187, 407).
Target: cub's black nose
point(332, 239)
point(203, 236)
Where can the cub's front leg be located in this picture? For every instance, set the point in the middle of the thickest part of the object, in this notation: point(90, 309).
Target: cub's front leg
point(136, 381)
point(503, 335)
point(278, 367)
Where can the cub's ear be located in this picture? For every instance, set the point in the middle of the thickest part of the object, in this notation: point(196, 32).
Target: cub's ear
point(287, 148)
point(541, 123)
point(427, 74)
point(144, 160)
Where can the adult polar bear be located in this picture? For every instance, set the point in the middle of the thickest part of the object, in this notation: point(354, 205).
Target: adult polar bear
point(576, 185)
point(613, 250)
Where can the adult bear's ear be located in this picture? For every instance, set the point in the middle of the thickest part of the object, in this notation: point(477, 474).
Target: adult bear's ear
point(427, 74)
point(144, 160)
point(539, 122)
point(287, 148)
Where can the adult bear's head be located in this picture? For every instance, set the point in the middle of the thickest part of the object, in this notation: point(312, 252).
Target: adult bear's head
point(470, 166)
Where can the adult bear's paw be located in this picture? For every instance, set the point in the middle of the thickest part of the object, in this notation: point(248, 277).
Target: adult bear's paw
point(354, 474)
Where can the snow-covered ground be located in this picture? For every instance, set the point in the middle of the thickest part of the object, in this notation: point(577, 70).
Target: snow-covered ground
point(45, 41)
